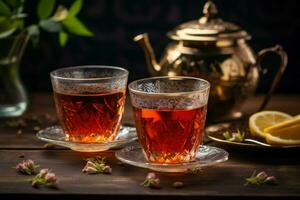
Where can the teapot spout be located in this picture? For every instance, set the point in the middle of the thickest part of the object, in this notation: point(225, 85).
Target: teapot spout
point(143, 41)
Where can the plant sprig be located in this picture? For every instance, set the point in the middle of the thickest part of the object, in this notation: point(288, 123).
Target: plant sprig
point(97, 165)
point(237, 136)
point(151, 181)
point(261, 178)
point(27, 167)
point(52, 17)
point(45, 177)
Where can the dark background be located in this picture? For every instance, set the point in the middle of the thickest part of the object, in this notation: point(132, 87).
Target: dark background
point(116, 22)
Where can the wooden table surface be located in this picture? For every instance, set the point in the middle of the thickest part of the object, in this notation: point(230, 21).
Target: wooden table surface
point(225, 180)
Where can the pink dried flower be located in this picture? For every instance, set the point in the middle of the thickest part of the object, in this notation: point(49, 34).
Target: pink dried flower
point(151, 181)
point(151, 175)
point(20, 166)
point(262, 175)
point(89, 164)
point(44, 172)
point(90, 170)
point(272, 180)
point(96, 165)
point(27, 167)
point(107, 169)
point(45, 177)
point(261, 178)
point(51, 178)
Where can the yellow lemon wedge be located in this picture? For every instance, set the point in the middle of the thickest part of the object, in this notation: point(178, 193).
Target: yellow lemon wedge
point(284, 133)
point(261, 120)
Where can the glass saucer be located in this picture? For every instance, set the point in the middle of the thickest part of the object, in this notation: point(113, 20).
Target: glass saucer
point(206, 155)
point(55, 135)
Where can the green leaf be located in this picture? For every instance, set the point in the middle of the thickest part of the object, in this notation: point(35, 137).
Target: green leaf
point(75, 8)
point(20, 6)
point(75, 26)
point(4, 9)
point(45, 8)
point(8, 26)
point(63, 38)
point(51, 26)
point(34, 33)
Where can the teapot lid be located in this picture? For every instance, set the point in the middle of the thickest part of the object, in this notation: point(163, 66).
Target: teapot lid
point(208, 28)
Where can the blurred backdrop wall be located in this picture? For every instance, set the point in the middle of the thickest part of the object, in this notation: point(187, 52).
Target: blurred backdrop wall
point(116, 22)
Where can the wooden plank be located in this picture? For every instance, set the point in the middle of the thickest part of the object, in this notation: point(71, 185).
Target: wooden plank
point(223, 180)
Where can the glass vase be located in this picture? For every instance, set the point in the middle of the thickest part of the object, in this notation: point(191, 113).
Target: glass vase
point(13, 96)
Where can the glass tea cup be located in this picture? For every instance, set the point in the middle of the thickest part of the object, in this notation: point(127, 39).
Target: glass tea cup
point(170, 115)
point(90, 101)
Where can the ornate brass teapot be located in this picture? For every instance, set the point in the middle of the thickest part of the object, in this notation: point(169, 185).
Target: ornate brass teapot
point(217, 51)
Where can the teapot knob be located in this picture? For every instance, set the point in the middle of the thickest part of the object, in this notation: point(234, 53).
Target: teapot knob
point(210, 11)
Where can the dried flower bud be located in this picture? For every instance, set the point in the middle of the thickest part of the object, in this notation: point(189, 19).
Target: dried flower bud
point(151, 175)
point(272, 180)
point(51, 178)
point(30, 162)
point(20, 166)
point(107, 169)
point(44, 172)
point(90, 164)
point(90, 170)
point(262, 175)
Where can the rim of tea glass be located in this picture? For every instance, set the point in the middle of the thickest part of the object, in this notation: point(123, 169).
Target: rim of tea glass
point(89, 66)
point(169, 93)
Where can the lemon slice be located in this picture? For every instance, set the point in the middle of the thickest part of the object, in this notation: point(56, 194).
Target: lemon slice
point(285, 133)
point(261, 120)
point(290, 122)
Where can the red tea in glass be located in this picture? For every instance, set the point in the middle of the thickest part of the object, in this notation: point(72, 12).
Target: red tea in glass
point(169, 116)
point(90, 117)
point(90, 101)
point(170, 136)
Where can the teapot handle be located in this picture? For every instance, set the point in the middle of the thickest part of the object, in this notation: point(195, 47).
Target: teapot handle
point(284, 59)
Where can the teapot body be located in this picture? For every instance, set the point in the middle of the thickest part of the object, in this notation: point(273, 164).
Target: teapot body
point(231, 70)
point(215, 50)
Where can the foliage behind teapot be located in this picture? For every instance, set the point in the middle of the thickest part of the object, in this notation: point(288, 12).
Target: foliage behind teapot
point(217, 51)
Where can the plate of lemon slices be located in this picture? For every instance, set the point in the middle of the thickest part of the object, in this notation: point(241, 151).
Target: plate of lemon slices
point(265, 129)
